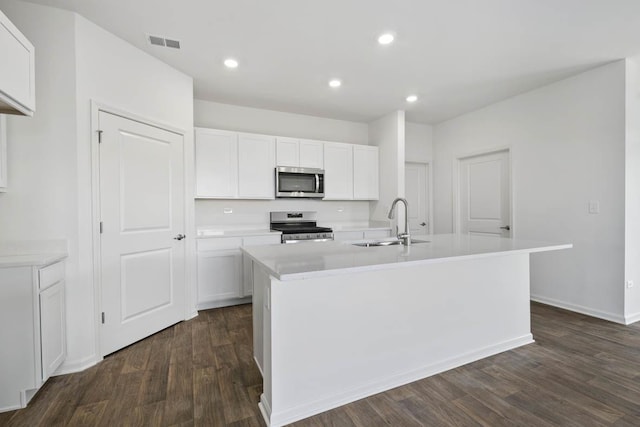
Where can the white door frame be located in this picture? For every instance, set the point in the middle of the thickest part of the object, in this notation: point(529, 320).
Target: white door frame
point(96, 108)
point(455, 187)
point(429, 190)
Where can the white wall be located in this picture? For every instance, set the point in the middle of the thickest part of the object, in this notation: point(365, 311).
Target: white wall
point(388, 134)
point(567, 142)
point(41, 149)
point(418, 142)
point(254, 214)
point(632, 190)
point(118, 75)
point(245, 119)
point(50, 154)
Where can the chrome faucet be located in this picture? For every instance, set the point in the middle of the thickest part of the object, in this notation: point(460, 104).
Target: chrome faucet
point(404, 237)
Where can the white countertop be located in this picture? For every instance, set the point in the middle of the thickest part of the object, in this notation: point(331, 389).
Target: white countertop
point(204, 233)
point(308, 260)
point(34, 253)
point(34, 260)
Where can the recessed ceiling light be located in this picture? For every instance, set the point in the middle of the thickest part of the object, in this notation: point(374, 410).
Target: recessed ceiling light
point(386, 38)
point(231, 63)
point(412, 98)
point(335, 83)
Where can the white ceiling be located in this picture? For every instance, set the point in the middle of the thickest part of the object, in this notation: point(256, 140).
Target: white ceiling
point(457, 55)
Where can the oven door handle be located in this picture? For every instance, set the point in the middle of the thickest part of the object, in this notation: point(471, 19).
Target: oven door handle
point(317, 183)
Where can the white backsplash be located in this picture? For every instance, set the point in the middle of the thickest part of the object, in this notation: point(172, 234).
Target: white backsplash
point(255, 213)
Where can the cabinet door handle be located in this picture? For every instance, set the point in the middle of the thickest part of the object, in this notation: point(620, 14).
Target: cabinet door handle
point(423, 224)
point(506, 227)
point(180, 237)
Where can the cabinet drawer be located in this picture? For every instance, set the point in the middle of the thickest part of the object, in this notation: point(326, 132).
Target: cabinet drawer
point(215, 244)
point(50, 275)
point(261, 240)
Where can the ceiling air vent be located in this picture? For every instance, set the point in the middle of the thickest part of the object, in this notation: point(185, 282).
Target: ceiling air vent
point(161, 41)
point(172, 43)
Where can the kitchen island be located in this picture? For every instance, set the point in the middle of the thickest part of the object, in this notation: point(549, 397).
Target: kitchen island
point(335, 322)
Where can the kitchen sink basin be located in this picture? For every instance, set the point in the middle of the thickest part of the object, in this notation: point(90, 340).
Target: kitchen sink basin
point(378, 243)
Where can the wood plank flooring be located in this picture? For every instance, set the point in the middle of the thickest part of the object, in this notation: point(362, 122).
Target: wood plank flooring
point(580, 372)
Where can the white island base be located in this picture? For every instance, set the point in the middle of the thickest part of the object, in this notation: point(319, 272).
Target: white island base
point(324, 340)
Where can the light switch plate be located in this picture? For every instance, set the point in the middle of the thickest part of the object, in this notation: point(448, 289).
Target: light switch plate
point(594, 207)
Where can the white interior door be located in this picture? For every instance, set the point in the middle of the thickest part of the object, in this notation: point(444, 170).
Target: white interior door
point(485, 194)
point(417, 194)
point(142, 212)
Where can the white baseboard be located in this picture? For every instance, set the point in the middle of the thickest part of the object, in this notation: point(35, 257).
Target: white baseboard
point(612, 317)
point(73, 366)
point(383, 384)
point(265, 410)
point(206, 305)
point(632, 318)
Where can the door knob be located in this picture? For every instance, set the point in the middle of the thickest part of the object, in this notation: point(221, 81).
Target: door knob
point(180, 237)
point(506, 227)
point(423, 224)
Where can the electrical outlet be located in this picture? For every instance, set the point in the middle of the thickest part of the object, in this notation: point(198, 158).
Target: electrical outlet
point(594, 207)
point(629, 284)
point(227, 210)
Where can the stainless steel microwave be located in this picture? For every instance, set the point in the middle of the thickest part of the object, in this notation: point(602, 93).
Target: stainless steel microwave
point(299, 182)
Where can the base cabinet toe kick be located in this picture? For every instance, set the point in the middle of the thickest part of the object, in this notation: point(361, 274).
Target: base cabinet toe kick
point(322, 342)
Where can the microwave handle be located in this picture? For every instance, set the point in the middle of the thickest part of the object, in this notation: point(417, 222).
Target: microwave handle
point(317, 183)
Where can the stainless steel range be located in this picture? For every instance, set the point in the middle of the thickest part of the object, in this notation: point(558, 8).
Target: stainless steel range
point(299, 227)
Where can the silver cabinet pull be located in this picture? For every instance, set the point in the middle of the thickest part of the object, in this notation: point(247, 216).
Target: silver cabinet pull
point(506, 227)
point(180, 237)
point(423, 224)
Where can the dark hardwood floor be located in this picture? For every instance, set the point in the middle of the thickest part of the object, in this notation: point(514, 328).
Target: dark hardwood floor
point(580, 372)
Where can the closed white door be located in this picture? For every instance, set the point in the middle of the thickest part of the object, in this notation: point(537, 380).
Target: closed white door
point(417, 194)
point(142, 214)
point(485, 194)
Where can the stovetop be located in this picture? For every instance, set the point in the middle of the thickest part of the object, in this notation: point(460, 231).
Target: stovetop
point(292, 228)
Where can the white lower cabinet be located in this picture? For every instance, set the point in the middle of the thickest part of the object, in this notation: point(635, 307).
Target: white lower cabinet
point(32, 328)
point(223, 278)
point(52, 328)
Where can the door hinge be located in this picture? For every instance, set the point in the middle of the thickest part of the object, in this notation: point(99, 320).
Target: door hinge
point(103, 317)
point(99, 137)
point(101, 227)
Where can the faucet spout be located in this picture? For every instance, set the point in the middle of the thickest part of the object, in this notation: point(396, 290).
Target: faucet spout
point(405, 237)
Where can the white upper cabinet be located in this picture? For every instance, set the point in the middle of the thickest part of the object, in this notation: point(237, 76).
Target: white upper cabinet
point(288, 152)
point(232, 165)
point(17, 72)
point(311, 154)
point(256, 166)
point(216, 163)
point(338, 171)
point(365, 172)
point(299, 153)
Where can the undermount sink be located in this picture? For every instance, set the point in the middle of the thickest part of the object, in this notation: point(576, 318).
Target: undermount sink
point(378, 243)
